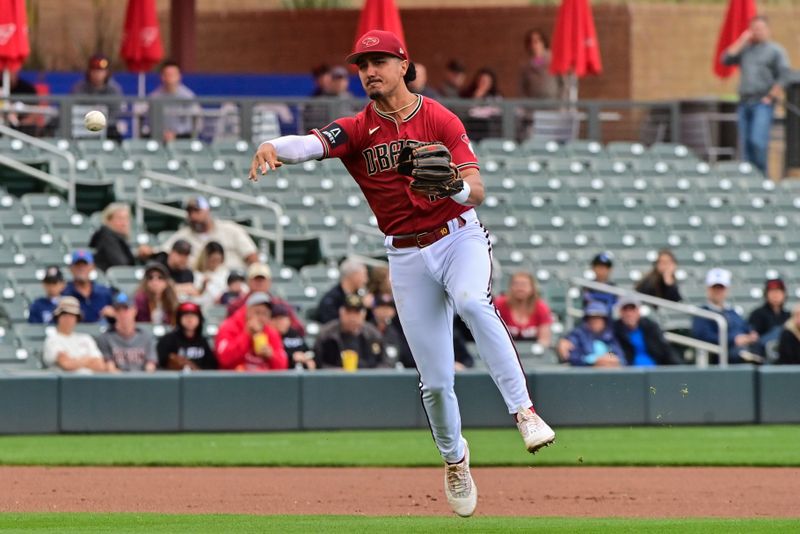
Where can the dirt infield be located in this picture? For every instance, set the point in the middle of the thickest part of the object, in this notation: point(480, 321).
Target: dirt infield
point(578, 491)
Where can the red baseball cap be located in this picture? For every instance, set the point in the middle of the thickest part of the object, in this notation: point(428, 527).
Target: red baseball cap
point(379, 41)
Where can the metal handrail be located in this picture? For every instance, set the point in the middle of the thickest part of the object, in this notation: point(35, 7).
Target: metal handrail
point(34, 172)
point(53, 149)
point(142, 203)
point(720, 348)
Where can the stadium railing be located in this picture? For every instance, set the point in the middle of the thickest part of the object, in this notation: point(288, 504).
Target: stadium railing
point(702, 347)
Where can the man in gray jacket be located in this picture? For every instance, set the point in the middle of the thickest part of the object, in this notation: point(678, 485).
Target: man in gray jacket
point(764, 67)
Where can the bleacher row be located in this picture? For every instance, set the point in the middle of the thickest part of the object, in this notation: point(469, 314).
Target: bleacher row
point(549, 209)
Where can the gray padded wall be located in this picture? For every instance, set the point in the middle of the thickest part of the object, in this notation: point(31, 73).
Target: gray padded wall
point(29, 404)
point(220, 401)
point(697, 396)
point(480, 401)
point(779, 394)
point(121, 403)
point(333, 399)
point(589, 397)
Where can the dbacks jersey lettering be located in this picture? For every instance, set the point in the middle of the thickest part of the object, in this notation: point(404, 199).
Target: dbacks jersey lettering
point(368, 145)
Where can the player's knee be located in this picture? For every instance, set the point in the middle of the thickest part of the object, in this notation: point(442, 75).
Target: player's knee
point(437, 389)
point(470, 307)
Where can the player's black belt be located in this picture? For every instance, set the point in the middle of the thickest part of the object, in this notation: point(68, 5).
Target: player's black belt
point(425, 239)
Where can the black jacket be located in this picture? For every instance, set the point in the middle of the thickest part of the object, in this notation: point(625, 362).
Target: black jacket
point(111, 249)
point(394, 336)
point(329, 346)
point(657, 347)
point(763, 319)
point(789, 344)
point(329, 304)
point(195, 349)
point(654, 285)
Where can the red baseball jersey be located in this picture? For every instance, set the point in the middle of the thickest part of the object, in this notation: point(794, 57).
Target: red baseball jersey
point(368, 145)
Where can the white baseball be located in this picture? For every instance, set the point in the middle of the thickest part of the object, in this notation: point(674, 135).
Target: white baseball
point(94, 121)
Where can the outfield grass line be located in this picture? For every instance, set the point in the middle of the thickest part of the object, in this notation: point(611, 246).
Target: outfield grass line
point(166, 523)
point(755, 446)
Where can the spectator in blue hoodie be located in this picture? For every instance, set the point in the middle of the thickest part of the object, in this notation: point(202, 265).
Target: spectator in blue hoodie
point(95, 298)
point(592, 343)
point(742, 339)
point(43, 309)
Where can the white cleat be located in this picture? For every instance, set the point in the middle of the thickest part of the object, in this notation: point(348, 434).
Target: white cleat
point(535, 432)
point(462, 495)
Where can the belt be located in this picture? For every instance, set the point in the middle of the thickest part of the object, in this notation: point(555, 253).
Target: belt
point(425, 239)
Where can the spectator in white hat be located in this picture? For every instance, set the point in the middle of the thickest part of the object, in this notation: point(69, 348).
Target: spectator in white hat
point(70, 350)
point(742, 339)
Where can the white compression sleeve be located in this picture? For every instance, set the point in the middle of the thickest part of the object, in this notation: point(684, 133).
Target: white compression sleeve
point(297, 148)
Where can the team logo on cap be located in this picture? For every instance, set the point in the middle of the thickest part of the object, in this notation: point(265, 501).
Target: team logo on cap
point(370, 41)
point(400, 50)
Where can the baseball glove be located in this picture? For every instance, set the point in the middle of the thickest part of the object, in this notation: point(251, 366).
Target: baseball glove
point(429, 165)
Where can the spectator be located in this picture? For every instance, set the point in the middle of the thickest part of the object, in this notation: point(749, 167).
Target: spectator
point(378, 283)
point(156, 300)
point(98, 82)
point(331, 83)
point(236, 288)
point(259, 280)
point(525, 313)
point(322, 80)
point(483, 120)
point(340, 82)
point(179, 120)
point(23, 121)
point(789, 342)
point(642, 341)
point(454, 78)
point(177, 263)
point(202, 228)
point(592, 343)
point(602, 265)
point(110, 241)
point(660, 281)
point(535, 78)
point(349, 342)
point(420, 84)
point(70, 350)
point(764, 70)
point(294, 344)
point(385, 319)
point(248, 342)
point(186, 347)
point(95, 299)
point(127, 347)
point(742, 339)
point(768, 319)
point(211, 274)
point(41, 310)
point(352, 280)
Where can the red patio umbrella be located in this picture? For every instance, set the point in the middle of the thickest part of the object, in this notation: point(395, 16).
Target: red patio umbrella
point(380, 15)
point(737, 20)
point(575, 51)
point(14, 46)
point(141, 40)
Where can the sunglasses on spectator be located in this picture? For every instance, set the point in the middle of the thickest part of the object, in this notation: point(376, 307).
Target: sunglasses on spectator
point(155, 277)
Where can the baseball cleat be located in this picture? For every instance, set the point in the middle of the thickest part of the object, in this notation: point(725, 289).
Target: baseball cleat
point(535, 432)
point(462, 495)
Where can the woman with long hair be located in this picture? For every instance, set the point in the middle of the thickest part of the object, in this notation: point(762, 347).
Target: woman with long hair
point(211, 274)
point(484, 119)
point(156, 300)
point(660, 281)
point(535, 79)
point(525, 313)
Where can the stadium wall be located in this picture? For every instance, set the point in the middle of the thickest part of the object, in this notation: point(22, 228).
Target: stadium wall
point(225, 401)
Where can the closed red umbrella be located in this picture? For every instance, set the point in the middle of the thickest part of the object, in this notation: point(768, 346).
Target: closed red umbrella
point(14, 47)
point(380, 15)
point(574, 48)
point(737, 20)
point(141, 40)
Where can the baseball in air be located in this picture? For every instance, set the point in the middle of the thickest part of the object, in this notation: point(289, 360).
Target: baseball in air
point(94, 121)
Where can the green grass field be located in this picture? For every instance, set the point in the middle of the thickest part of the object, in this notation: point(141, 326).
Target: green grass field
point(642, 446)
point(157, 523)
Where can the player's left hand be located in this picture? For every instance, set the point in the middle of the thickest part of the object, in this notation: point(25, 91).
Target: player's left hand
point(265, 158)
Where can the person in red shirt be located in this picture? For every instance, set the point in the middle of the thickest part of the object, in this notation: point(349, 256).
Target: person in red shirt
point(439, 253)
point(247, 342)
point(525, 313)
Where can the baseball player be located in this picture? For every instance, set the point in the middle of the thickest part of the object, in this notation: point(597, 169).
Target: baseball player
point(423, 196)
